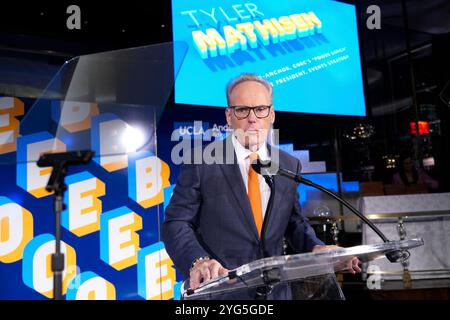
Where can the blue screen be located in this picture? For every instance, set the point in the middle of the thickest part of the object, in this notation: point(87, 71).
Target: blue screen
point(307, 49)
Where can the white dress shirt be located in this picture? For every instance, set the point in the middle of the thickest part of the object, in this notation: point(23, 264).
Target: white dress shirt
point(243, 159)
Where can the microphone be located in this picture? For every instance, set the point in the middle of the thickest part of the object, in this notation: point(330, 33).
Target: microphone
point(59, 162)
point(265, 168)
point(70, 157)
point(268, 168)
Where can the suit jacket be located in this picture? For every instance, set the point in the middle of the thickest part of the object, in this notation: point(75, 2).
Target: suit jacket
point(209, 214)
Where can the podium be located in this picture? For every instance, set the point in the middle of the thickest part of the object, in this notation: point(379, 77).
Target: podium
point(314, 272)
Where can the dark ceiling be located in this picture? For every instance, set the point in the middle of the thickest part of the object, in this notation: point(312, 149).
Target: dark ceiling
point(37, 30)
point(41, 25)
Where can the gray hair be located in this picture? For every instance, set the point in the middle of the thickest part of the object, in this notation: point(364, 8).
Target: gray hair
point(248, 77)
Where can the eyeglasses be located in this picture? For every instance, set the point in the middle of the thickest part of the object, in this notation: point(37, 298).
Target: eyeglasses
point(242, 112)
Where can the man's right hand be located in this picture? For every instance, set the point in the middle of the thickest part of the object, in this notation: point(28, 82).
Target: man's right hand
point(205, 270)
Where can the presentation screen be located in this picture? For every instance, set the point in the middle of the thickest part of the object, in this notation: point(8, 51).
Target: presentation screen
point(307, 49)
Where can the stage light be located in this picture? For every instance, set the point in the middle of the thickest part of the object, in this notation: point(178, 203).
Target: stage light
point(133, 138)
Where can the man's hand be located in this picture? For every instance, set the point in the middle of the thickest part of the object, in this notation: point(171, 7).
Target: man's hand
point(205, 270)
point(352, 264)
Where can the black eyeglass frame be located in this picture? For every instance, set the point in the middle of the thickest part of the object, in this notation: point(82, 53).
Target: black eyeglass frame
point(249, 109)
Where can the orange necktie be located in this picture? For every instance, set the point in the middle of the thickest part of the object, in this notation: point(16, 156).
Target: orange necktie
point(254, 194)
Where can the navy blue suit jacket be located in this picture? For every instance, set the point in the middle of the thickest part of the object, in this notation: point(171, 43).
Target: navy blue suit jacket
point(209, 214)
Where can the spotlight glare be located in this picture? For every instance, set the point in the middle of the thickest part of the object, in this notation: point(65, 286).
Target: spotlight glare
point(133, 139)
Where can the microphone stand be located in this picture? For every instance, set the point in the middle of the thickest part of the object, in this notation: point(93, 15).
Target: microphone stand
point(267, 169)
point(59, 162)
point(270, 182)
point(269, 277)
point(345, 203)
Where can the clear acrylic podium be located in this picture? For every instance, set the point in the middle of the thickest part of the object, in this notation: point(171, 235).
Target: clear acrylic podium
point(313, 273)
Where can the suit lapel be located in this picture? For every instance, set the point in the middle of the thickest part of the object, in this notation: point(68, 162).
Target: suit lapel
point(236, 184)
point(278, 182)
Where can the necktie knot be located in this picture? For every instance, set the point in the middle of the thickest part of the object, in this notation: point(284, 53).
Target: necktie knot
point(253, 157)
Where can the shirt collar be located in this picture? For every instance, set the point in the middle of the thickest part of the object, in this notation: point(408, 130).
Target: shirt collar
point(242, 153)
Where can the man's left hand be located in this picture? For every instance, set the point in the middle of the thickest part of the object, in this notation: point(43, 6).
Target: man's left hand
point(352, 264)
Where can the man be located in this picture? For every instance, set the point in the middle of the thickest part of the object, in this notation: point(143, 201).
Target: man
point(217, 220)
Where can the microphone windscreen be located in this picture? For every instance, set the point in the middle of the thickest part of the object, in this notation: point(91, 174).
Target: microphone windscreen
point(265, 167)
